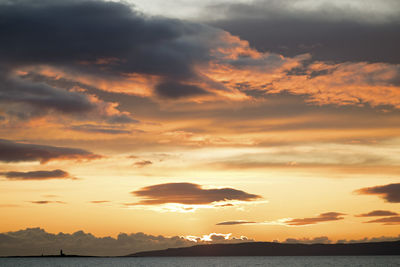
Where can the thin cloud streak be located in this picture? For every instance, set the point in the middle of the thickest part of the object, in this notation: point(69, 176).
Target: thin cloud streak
point(37, 175)
point(323, 217)
point(394, 220)
point(44, 202)
point(377, 213)
point(238, 222)
point(11, 151)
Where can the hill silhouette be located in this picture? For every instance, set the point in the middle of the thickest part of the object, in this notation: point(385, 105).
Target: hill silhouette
point(277, 249)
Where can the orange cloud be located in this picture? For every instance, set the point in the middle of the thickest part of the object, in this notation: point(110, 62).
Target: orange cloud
point(18, 152)
point(377, 213)
point(324, 217)
point(37, 175)
point(389, 192)
point(190, 194)
point(395, 220)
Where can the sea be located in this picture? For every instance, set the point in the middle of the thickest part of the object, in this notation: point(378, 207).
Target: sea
point(309, 261)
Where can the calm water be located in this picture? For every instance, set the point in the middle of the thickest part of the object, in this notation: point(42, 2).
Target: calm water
point(207, 261)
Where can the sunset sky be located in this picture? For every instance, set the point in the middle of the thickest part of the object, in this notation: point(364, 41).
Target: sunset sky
point(253, 120)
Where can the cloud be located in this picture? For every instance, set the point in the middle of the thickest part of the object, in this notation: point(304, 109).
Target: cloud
point(143, 163)
point(36, 241)
point(394, 220)
point(327, 240)
point(104, 129)
point(371, 239)
point(135, 43)
point(329, 30)
point(9, 206)
point(11, 151)
point(177, 90)
point(42, 96)
point(376, 213)
point(190, 194)
point(168, 59)
point(235, 222)
point(370, 12)
point(389, 192)
point(24, 97)
point(141, 55)
point(99, 201)
point(43, 202)
point(37, 175)
point(323, 217)
point(315, 240)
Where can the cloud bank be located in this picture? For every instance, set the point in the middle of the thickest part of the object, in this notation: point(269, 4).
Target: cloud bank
point(330, 30)
point(36, 241)
point(114, 48)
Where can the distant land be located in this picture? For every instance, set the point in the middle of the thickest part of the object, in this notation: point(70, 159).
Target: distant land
point(277, 249)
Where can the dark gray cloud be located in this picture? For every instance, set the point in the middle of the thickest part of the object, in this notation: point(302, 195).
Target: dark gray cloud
point(147, 45)
point(106, 38)
point(235, 222)
point(42, 96)
point(188, 193)
point(323, 217)
point(37, 175)
point(36, 241)
point(394, 220)
point(389, 192)
point(377, 213)
point(177, 90)
point(328, 31)
point(17, 152)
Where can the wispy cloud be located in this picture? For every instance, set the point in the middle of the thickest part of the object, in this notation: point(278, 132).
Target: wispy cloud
point(323, 217)
point(377, 213)
point(37, 175)
point(99, 201)
point(237, 222)
point(394, 220)
point(43, 202)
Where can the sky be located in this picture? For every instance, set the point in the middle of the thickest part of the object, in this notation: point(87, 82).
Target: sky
point(137, 125)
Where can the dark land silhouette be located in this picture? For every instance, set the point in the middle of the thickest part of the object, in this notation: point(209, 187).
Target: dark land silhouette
point(278, 249)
